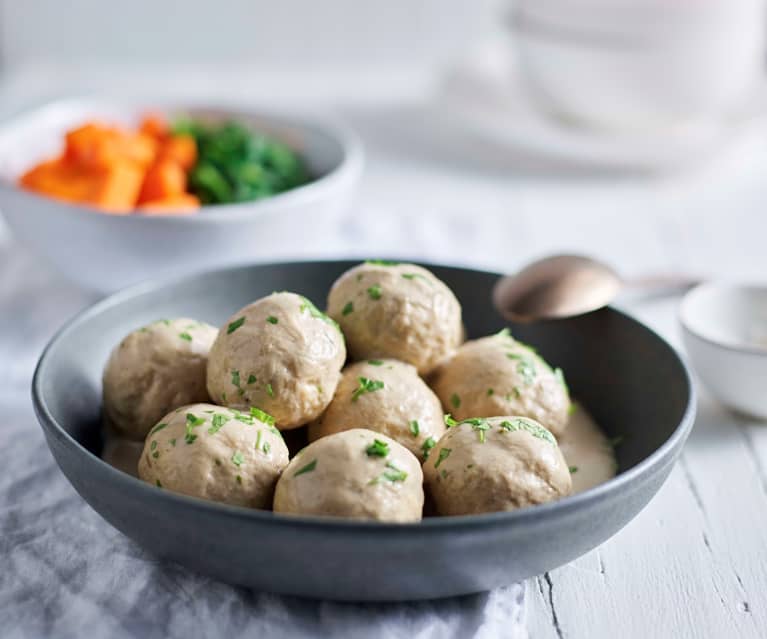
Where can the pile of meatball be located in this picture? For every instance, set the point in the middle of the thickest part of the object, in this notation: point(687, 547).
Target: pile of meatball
point(397, 408)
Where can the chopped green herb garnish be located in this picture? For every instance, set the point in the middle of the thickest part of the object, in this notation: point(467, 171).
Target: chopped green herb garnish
point(158, 483)
point(375, 362)
point(366, 386)
point(572, 408)
point(219, 419)
point(414, 428)
point(560, 377)
point(477, 424)
point(393, 473)
point(272, 319)
point(455, 400)
point(262, 416)
point(241, 417)
point(444, 453)
point(266, 448)
point(536, 430)
point(157, 428)
point(504, 332)
point(374, 292)
point(348, 308)
point(269, 390)
point(172, 441)
point(382, 262)
point(185, 336)
point(218, 462)
point(236, 378)
point(525, 367)
point(573, 469)
point(192, 421)
point(306, 469)
point(237, 458)
point(258, 440)
point(308, 305)
point(516, 392)
point(490, 392)
point(233, 326)
point(412, 276)
point(251, 379)
point(165, 321)
point(153, 446)
point(239, 479)
point(480, 426)
point(377, 449)
point(427, 446)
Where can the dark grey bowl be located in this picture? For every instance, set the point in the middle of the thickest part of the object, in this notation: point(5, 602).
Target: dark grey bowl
point(628, 377)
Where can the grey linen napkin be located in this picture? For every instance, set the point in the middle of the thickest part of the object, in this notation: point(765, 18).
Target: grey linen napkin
point(66, 573)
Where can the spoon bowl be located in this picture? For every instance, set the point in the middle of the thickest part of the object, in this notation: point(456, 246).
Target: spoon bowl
point(556, 287)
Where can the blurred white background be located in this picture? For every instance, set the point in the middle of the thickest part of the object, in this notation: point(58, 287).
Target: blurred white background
point(410, 34)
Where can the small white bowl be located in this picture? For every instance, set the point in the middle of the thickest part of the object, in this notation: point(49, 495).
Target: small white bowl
point(105, 252)
point(724, 327)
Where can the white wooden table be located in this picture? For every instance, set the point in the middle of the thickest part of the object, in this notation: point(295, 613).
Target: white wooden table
point(694, 562)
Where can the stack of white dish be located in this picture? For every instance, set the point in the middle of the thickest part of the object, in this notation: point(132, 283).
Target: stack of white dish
point(640, 64)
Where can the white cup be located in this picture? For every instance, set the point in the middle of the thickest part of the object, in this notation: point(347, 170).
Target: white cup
point(641, 64)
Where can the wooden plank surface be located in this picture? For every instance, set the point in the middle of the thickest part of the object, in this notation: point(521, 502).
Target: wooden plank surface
point(694, 562)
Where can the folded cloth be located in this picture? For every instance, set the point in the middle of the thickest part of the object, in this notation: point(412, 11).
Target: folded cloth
point(64, 572)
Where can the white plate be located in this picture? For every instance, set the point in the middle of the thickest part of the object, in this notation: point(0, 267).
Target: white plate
point(487, 94)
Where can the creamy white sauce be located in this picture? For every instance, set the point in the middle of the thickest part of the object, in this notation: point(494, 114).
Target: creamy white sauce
point(587, 451)
point(122, 453)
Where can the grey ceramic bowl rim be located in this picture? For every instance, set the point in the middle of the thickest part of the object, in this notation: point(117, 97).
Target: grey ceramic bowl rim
point(348, 169)
point(532, 515)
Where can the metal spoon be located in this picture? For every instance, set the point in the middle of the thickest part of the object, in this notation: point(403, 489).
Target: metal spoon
point(566, 285)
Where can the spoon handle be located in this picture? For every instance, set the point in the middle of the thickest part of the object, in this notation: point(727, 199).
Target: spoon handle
point(658, 285)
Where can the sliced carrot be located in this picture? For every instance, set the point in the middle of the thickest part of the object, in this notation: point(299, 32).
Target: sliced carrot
point(118, 187)
point(181, 149)
point(163, 179)
point(154, 125)
point(116, 169)
point(113, 189)
point(181, 204)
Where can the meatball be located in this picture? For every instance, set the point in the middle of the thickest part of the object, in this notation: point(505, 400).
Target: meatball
point(357, 473)
point(154, 370)
point(396, 310)
point(498, 375)
point(215, 453)
point(388, 397)
point(281, 354)
point(494, 464)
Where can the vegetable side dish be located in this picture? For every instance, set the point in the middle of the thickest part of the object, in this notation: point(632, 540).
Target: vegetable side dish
point(165, 168)
point(212, 407)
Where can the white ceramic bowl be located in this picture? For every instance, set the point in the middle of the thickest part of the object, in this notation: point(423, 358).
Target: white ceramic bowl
point(724, 328)
point(614, 82)
point(106, 252)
